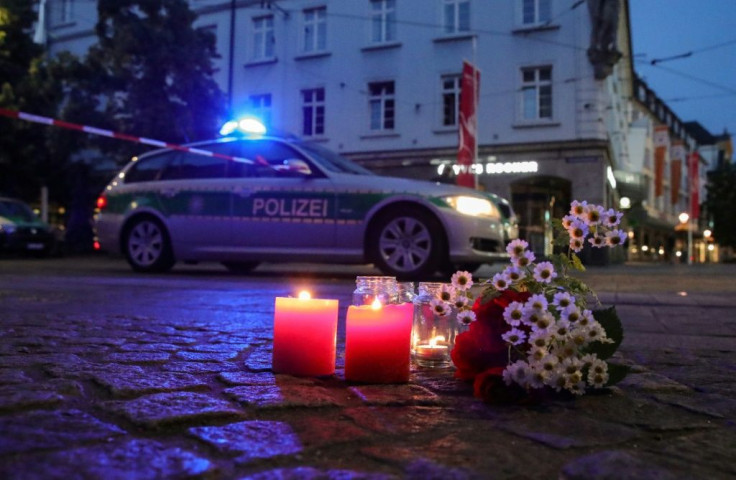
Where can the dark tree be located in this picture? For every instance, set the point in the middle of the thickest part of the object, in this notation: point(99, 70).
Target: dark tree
point(155, 70)
point(720, 204)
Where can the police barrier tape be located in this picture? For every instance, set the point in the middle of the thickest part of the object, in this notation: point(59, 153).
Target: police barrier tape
point(109, 133)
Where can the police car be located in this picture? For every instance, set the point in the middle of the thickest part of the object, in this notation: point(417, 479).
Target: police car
point(262, 198)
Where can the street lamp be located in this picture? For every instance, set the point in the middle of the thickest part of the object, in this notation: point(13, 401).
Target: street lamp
point(685, 220)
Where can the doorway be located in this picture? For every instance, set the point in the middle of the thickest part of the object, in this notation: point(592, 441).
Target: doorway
point(536, 201)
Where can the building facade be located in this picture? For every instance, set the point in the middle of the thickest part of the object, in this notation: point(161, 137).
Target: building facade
point(379, 81)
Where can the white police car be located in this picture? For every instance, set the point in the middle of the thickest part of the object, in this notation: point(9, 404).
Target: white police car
point(283, 200)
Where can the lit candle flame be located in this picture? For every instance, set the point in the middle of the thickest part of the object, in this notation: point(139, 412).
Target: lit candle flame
point(304, 295)
point(376, 305)
point(433, 341)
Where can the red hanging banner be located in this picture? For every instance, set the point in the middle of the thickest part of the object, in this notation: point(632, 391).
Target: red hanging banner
point(467, 149)
point(694, 178)
point(661, 142)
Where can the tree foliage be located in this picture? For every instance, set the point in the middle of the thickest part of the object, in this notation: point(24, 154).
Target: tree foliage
point(720, 204)
point(155, 71)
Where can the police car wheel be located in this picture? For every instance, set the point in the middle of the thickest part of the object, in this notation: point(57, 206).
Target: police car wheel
point(241, 267)
point(147, 247)
point(407, 244)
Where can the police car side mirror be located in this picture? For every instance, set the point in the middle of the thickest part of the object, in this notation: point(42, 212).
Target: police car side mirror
point(295, 165)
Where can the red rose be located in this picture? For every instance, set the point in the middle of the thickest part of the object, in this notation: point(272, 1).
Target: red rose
point(481, 346)
point(488, 382)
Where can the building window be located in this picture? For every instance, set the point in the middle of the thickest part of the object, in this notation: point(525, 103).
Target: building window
point(260, 107)
point(450, 99)
point(383, 21)
point(313, 112)
point(315, 30)
point(534, 12)
point(536, 93)
point(382, 105)
point(263, 38)
point(456, 16)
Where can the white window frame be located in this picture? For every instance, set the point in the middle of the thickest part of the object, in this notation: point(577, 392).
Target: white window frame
point(533, 91)
point(260, 107)
point(453, 22)
point(383, 16)
point(263, 38)
point(382, 106)
point(314, 29)
point(454, 93)
point(541, 12)
point(315, 109)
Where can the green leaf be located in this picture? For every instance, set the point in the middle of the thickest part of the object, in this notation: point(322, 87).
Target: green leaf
point(577, 264)
point(608, 318)
point(616, 373)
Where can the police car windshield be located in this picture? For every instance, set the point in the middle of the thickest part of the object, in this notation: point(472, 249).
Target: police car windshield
point(331, 161)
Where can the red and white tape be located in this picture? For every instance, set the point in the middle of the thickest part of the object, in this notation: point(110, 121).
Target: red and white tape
point(109, 133)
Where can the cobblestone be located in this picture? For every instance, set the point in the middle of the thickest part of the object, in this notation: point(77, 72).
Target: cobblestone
point(139, 381)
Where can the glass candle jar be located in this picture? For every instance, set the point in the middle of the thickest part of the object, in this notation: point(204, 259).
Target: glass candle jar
point(433, 335)
point(369, 288)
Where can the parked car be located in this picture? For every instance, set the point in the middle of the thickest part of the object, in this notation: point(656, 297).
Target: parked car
point(284, 200)
point(21, 231)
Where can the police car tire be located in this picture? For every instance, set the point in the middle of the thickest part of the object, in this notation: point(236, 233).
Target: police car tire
point(425, 221)
point(150, 226)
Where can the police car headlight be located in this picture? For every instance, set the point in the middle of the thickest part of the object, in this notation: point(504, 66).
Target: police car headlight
point(473, 206)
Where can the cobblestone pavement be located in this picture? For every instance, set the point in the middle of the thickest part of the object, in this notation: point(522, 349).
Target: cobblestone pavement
point(105, 374)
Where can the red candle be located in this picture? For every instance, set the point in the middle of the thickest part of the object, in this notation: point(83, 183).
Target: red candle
point(377, 343)
point(304, 336)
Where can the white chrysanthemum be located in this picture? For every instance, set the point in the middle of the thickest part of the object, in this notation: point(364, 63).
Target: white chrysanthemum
point(598, 380)
point(567, 350)
point(544, 322)
point(514, 314)
point(598, 366)
point(615, 237)
point(578, 229)
point(549, 363)
point(544, 272)
point(537, 353)
point(539, 338)
point(577, 388)
point(598, 241)
point(557, 379)
point(576, 244)
point(579, 337)
point(571, 365)
point(611, 218)
point(440, 308)
point(560, 330)
point(588, 359)
point(532, 316)
point(567, 221)
point(562, 300)
point(517, 372)
point(538, 376)
point(586, 318)
point(596, 333)
point(447, 293)
point(516, 247)
point(500, 281)
point(525, 259)
point(466, 317)
point(593, 214)
point(571, 313)
point(514, 336)
point(514, 273)
point(537, 302)
point(460, 302)
point(462, 280)
point(577, 209)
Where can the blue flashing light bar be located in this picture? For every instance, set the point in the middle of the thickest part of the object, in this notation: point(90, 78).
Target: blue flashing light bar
point(245, 125)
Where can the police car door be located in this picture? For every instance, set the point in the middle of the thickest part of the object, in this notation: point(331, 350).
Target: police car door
point(281, 202)
point(194, 194)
